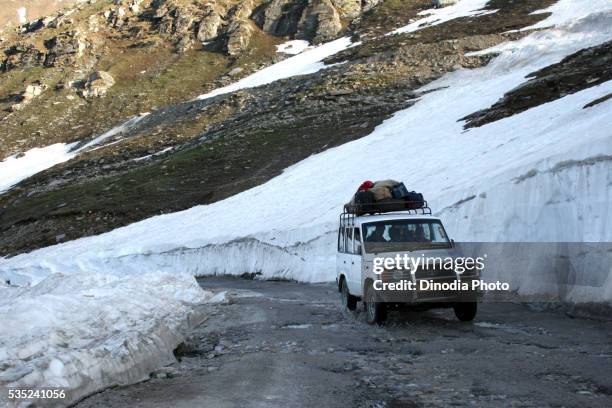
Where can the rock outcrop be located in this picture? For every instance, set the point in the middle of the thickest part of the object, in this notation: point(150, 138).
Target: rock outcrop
point(98, 84)
point(320, 22)
point(230, 25)
point(31, 92)
point(209, 26)
point(313, 20)
point(22, 55)
point(65, 49)
point(443, 3)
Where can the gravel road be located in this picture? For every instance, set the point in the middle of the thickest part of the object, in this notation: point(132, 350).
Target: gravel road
point(281, 344)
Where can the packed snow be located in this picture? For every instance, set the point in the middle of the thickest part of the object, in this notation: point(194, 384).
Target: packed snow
point(111, 133)
point(436, 16)
point(22, 15)
point(88, 331)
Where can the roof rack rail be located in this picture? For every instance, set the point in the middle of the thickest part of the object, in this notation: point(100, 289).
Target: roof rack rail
point(347, 218)
point(381, 207)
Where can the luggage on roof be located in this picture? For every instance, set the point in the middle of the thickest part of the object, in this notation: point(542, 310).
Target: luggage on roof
point(384, 196)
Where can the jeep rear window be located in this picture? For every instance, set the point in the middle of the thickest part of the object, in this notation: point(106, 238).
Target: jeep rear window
point(404, 235)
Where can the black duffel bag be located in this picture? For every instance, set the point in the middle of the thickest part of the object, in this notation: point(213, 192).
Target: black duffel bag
point(414, 200)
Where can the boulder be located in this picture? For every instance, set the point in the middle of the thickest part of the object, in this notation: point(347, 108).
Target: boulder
point(243, 10)
point(98, 84)
point(238, 37)
point(320, 22)
point(367, 5)
point(184, 44)
point(31, 92)
point(209, 26)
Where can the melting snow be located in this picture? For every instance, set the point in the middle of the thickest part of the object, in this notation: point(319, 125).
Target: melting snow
point(436, 16)
point(307, 62)
point(14, 169)
point(88, 331)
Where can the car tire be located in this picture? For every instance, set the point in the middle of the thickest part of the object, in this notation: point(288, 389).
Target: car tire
point(466, 311)
point(376, 312)
point(348, 301)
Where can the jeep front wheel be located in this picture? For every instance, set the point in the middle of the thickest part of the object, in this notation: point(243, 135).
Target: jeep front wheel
point(466, 311)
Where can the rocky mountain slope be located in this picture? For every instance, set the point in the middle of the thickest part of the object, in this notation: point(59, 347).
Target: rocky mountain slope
point(159, 54)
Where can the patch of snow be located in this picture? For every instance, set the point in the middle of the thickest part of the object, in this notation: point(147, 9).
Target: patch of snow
point(15, 169)
point(436, 16)
point(298, 326)
point(113, 132)
point(220, 297)
point(308, 62)
point(293, 47)
point(87, 331)
point(167, 149)
point(22, 15)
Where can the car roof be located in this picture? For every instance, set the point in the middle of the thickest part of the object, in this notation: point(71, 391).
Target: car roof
point(392, 216)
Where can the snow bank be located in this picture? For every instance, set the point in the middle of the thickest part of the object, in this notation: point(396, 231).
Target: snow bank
point(88, 331)
point(542, 175)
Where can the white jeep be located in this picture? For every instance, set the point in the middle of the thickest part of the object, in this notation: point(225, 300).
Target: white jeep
point(362, 239)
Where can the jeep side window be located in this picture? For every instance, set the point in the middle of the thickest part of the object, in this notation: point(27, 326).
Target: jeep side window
point(349, 241)
point(357, 242)
point(341, 239)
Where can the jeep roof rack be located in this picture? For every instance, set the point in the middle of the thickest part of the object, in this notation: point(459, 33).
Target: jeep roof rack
point(347, 218)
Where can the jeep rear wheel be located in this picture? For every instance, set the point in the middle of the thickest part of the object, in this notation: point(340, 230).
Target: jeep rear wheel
point(466, 311)
point(376, 312)
point(348, 301)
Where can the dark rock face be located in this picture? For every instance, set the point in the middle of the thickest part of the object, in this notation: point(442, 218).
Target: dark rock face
point(280, 17)
point(22, 56)
point(64, 49)
point(313, 20)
